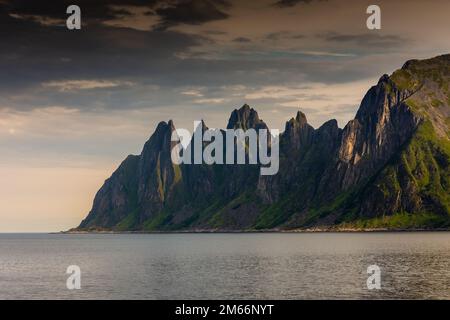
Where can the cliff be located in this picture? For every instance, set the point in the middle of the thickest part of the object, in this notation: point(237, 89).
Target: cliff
point(387, 168)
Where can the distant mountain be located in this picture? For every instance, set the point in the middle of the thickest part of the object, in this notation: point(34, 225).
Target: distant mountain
point(387, 168)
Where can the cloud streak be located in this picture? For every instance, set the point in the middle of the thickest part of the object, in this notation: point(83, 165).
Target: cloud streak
point(76, 85)
point(373, 40)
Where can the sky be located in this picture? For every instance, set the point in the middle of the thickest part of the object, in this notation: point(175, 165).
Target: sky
point(75, 103)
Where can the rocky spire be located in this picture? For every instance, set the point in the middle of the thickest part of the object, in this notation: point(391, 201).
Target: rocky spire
point(245, 118)
point(298, 133)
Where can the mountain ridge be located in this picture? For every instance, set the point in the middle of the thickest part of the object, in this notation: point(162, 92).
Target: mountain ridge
point(387, 168)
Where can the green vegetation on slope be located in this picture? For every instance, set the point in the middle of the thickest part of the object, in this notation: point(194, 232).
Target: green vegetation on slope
point(402, 221)
point(412, 191)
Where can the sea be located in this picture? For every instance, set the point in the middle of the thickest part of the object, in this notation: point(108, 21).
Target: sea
point(375, 265)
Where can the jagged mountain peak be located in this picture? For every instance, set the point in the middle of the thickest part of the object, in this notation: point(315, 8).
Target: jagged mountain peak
point(245, 118)
point(329, 125)
point(301, 118)
point(204, 126)
point(298, 132)
point(163, 128)
point(300, 121)
point(383, 79)
point(161, 137)
point(427, 82)
point(422, 85)
point(438, 61)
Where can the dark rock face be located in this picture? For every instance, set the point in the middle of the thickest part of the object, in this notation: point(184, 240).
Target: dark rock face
point(140, 185)
point(245, 118)
point(298, 134)
point(388, 167)
point(156, 174)
point(383, 123)
point(114, 200)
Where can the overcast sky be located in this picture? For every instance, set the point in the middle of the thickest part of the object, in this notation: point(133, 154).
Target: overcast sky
point(73, 104)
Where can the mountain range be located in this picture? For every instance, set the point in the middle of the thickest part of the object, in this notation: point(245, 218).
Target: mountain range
point(387, 168)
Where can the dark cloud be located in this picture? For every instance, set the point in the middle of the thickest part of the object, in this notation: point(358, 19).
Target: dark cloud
point(33, 54)
point(374, 40)
point(191, 12)
point(215, 32)
point(273, 36)
point(291, 3)
point(91, 10)
point(170, 12)
point(242, 40)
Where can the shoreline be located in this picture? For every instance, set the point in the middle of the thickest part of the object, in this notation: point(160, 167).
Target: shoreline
point(315, 230)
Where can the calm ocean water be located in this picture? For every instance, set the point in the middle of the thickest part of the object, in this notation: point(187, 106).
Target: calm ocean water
point(225, 266)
